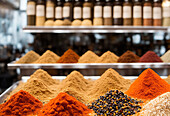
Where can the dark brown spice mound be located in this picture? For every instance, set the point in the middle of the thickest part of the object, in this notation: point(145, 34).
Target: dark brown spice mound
point(69, 57)
point(128, 57)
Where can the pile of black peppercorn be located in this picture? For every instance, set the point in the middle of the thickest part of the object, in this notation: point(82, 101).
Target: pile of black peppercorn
point(115, 103)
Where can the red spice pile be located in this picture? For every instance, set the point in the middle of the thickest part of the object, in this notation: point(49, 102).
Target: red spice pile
point(64, 105)
point(148, 86)
point(128, 57)
point(20, 104)
point(150, 56)
point(69, 57)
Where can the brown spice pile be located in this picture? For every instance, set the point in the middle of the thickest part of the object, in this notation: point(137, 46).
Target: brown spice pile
point(75, 85)
point(108, 81)
point(168, 79)
point(88, 57)
point(166, 57)
point(48, 57)
point(108, 57)
point(40, 85)
point(30, 57)
point(69, 57)
point(128, 57)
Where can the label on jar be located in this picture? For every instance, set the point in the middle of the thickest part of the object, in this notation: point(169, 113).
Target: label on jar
point(107, 12)
point(77, 12)
point(166, 11)
point(31, 8)
point(147, 12)
point(127, 11)
point(137, 11)
point(40, 10)
point(66, 11)
point(117, 12)
point(157, 13)
point(58, 12)
point(97, 11)
point(86, 12)
point(49, 12)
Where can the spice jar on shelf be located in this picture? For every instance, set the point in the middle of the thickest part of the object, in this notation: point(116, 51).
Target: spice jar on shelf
point(77, 13)
point(108, 12)
point(87, 13)
point(50, 9)
point(127, 12)
point(98, 11)
point(117, 12)
point(166, 12)
point(137, 13)
point(157, 13)
point(67, 12)
point(58, 13)
point(147, 13)
point(31, 4)
point(40, 13)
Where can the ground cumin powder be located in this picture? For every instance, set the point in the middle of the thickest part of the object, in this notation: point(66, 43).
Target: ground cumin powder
point(108, 81)
point(30, 57)
point(108, 57)
point(48, 57)
point(168, 79)
point(166, 57)
point(69, 57)
point(88, 57)
point(128, 57)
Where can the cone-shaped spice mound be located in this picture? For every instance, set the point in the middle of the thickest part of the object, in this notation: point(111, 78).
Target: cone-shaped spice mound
point(69, 57)
point(20, 104)
point(150, 56)
point(48, 57)
point(166, 56)
point(88, 57)
point(128, 57)
point(108, 81)
point(168, 79)
point(75, 85)
point(108, 57)
point(148, 86)
point(64, 105)
point(30, 57)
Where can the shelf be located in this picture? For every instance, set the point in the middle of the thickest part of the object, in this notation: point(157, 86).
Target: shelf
point(96, 29)
point(91, 66)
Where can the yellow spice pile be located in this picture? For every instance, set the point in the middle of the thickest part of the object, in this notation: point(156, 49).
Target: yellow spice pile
point(30, 57)
point(88, 57)
point(108, 57)
point(168, 79)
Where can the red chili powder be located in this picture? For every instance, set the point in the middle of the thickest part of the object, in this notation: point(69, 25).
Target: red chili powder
point(128, 57)
point(150, 56)
point(69, 57)
point(64, 105)
point(20, 104)
point(148, 85)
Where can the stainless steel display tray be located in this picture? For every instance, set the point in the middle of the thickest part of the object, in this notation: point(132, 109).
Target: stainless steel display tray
point(91, 66)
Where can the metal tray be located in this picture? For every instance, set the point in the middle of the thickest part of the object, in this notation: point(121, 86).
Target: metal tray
point(90, 66)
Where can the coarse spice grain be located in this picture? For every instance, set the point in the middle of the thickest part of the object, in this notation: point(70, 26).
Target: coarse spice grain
point(48, 57)
point(20, 104)
point(108, 57)
point(30, 57)
point(160, 106)
point(166, 57)
point(115, 103)
point(148, 86)
point(69, 57)
point(150, 56)
point(64, 105)
point(128, 57)
point(88, 57)
point(108, 81)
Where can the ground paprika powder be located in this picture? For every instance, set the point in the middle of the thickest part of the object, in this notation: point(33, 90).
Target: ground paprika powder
point(64, 105)
point(148, 85)
point(20, 104)
point(69, 57)
point(150, 56)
